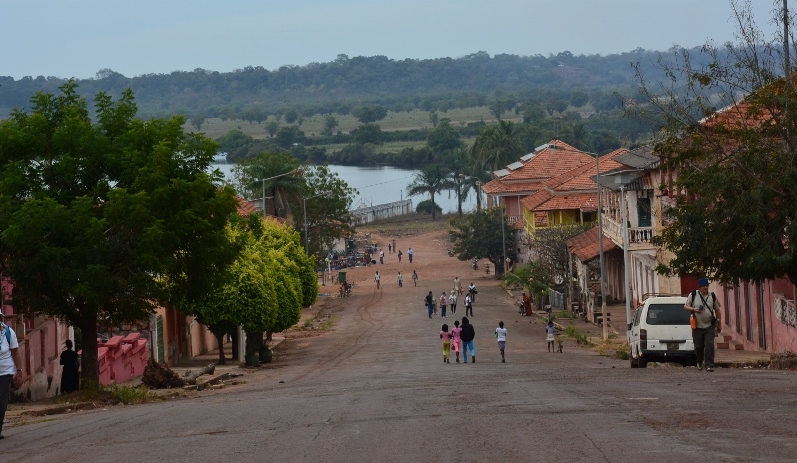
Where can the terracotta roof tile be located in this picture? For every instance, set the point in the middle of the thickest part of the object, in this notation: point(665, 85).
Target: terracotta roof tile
point(584, 201)
point(586, 246)
point(245, 207)
point(540, 219)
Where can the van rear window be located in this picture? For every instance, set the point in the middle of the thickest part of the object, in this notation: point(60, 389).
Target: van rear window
point(667, 314)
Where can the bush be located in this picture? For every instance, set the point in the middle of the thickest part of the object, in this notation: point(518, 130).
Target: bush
point(425, 207)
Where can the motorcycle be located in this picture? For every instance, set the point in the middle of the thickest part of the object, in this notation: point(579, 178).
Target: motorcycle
point(475, 264)
point(450, 252)
point(345, 289)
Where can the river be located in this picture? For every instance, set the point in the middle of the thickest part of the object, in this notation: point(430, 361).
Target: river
point(382, 185)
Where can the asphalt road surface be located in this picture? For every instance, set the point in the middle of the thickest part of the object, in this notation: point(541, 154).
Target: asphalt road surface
point(374, 388)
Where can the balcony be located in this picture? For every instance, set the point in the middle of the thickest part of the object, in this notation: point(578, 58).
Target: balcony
point(638, 237)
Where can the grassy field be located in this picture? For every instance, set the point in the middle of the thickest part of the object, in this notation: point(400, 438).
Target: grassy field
point(312, 126)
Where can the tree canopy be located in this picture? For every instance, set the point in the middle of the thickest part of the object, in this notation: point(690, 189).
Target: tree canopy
point(734, 203)
point(103, 221)
point(481, 235)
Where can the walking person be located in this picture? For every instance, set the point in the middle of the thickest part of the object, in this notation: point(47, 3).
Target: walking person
point(452, 301)
point(399, 255)
point(381, 256)
point(70, 376)
point(414, 278)
point(429, 301)
point(468, 305)
point(467, 335)
point(472, 291)
point(550, 335)
point(389, 248)
point(409, 254)
point(456, 340)
point(446, 337)
point(443, 304)
point(458, 285)
point(400, 280)
point(377, 278)
point(10, 363)
point(500, 334)
point(706, 309)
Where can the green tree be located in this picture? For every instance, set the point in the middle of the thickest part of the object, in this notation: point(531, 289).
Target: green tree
point(443, 138)
point(283, 187)
point(478, 235)
point(328, 217)
point(433, 118)
point(737, 165)
point(272, 127)
point(532, 276)
point(431, 180)
point(368, 133)
point(498, 146)
point(330, 122)
point(291, 115)
point(105, 221)
point(370, 114)
point(197, 121)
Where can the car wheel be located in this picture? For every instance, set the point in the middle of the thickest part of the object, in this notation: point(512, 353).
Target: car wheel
point(642, 361)
point(634, 362)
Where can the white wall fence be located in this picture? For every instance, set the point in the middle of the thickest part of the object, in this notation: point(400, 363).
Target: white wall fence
point(363, 215)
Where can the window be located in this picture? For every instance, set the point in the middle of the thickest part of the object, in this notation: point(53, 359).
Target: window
point(667, 314)
point(643, 211)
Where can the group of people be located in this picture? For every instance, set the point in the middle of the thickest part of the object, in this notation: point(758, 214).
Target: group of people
point(399, 279)
point(391, 249)
point(451, 299)
point(460, 338)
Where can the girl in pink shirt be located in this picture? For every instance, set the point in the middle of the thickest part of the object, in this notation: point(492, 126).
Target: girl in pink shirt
point(456, 341)
point(446, 337)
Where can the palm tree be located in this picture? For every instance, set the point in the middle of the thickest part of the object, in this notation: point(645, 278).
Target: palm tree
point(498, 146)
point(472, 180)
point(284, 188)
point(432, 179)
point(457, 161)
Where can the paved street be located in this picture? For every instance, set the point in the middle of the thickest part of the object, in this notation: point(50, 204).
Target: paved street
point(375, 388)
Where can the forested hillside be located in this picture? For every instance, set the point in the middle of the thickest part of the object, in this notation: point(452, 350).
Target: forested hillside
point(253, 93)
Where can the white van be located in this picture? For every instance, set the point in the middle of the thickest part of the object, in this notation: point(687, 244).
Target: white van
point(660, 332)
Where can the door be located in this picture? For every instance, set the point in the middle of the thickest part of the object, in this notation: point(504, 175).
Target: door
point(643, 211)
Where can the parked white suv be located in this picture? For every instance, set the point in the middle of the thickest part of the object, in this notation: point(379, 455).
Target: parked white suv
point(660, 332)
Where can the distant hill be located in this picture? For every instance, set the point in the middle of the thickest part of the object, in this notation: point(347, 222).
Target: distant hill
point(341, 86)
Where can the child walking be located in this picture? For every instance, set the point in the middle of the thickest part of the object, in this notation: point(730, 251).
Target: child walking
point(500, 333)
point(550, 330)
point(446, 337)
point(456, 341)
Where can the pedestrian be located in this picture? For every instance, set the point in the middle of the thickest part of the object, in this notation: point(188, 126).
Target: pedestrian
point(456, 340)
point(446, 337)
point(452, 301)
point(414, 278)
point(70, 376)
point(500, 334)
point(389, 248)
point(467, 335)
point(10, 363)
point(468, 304)
point(400, 280)
point(472, 291)
point(458, 285)
point(550, 332)
point(381, 256)
point(706, 309)
point(429, 301)
point(443, 304)
point(399, 255)
point(409, 254)
point(526, 304)
point(377, 278)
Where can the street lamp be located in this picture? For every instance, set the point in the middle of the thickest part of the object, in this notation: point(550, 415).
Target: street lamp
point(304, 209)
point(600, 248)
point(294, 171)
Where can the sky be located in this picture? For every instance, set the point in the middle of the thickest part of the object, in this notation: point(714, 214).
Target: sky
point(77, 38)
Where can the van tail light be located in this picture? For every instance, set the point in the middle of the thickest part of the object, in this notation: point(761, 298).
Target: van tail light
point(643, 339)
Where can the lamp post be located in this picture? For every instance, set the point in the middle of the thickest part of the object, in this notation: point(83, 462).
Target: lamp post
point(600, 248)
point(304, 209)
point(294, 171)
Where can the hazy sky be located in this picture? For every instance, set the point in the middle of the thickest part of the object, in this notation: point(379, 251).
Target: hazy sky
point(79, 37)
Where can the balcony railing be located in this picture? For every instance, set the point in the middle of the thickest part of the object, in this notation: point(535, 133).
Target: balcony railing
point(637, 236)
point(512, 219)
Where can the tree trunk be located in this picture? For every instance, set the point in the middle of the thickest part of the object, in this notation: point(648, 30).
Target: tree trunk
point(220, 341)
point(433, 211)
point(89, 365)
point(191, 376)
point(235, 346)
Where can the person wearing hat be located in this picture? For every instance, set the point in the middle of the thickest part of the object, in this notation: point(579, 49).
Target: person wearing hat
point(70, 376)
point(705, 307)
point(10, 363)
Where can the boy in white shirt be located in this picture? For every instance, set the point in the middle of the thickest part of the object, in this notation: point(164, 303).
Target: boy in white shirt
point(500, 333)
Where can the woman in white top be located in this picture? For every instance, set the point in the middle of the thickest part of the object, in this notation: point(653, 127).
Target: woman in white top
point(10, 363)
